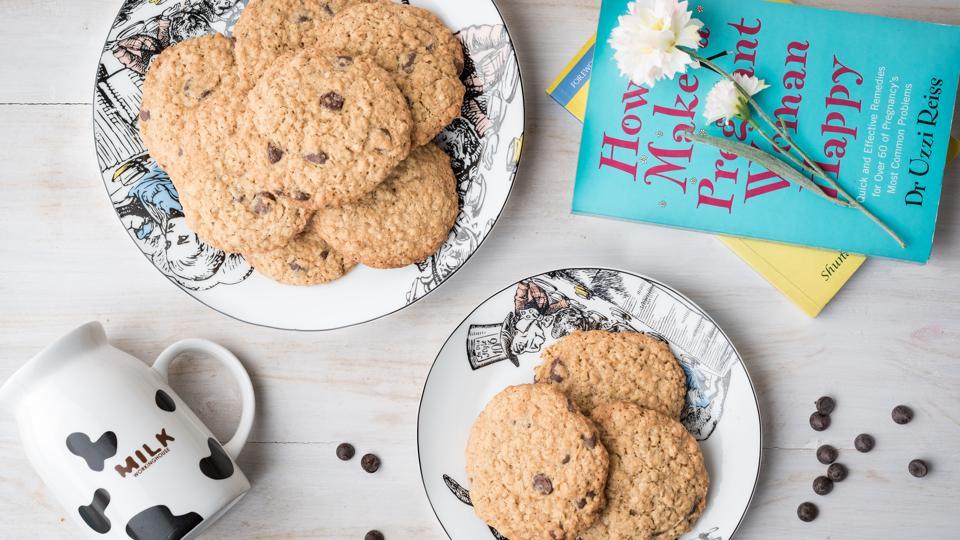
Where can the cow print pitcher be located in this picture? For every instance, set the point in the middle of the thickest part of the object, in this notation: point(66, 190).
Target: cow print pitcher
point(119, 449)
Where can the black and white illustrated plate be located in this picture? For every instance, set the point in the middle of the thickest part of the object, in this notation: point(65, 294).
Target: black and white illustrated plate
point(484, 144)
point(499, 343)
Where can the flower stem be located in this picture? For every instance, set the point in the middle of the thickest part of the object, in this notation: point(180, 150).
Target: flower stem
point(812, 164)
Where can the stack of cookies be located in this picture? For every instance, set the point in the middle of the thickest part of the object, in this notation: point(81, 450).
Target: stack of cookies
point(305, 142)
point(593, 449)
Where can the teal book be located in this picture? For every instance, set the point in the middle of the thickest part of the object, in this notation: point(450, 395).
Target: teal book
point(869, 98)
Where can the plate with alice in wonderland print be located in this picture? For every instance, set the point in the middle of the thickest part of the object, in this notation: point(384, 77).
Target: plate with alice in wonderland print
point(499, 344)
point(484, 145)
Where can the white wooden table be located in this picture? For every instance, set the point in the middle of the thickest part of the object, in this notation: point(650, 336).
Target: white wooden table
point(892, 336)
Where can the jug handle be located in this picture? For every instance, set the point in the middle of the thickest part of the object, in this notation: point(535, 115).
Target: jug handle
point(227, 358)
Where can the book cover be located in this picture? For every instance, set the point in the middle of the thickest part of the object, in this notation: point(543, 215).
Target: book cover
point(870, 97)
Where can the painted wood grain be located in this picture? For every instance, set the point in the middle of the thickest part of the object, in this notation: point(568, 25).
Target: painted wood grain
point(892, 336)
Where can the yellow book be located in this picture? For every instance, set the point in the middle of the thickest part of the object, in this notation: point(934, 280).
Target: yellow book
point(807, 276)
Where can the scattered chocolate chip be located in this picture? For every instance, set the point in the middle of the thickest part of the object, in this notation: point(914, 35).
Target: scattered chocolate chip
point(328, 9)
point(542, 484)
point(902, 414)
point(409, 102)
point(324, 254)
point(370, 463)
point(317, 158)
point(386, 132)
point(411, 59)
point(332, 101)
point(826, 454)
point(837, 472)
point(430, 47)
point(344, 61)
point(301, 196)
point(590, 441)
point(633, 513)
point(554, 376)
point(205, 94)
point(262, 202)
point(822, 485)
point(144, 114)
point(345, 451)
point(807, 512)
point(918, 468)
point(581, 503)
point(373, 535)
point(819, 421)
point(295, 266)
point(238, 198)
point(591, 494)
point(571, 406)
point(864, 443)
point(302, 19)
point(826, 405)
point(274, 154)
point(566, 459)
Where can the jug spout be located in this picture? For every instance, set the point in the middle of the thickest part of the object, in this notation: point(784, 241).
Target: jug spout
point(46, 362)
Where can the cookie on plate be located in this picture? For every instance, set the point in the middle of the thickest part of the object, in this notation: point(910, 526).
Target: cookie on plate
point(330, 126)
point(657, 487)
point(192, 97)
point(306, 260)
point(236, 215)
point(420, 52)
point(405, 220)
point(596, 367)
point(268, 29)
point(535, 465)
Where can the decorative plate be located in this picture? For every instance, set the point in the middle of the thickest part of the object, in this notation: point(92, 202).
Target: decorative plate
point(498, 345)
point(484, 145)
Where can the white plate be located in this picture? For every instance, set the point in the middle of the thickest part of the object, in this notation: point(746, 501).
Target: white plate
point(498, 345)
point(484, 145)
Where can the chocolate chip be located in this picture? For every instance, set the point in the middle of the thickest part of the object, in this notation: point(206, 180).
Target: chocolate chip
point(566, 459)
point(301, 196)
point(570, 405)
point(328, 9)
point(918, 468)
point(274, 154)
point(826, 454)
point(864, 443)
point(332, 101)
point(205, 94)
point(345, 451)
point(370, 463)
point(581, 503)
point(262, 202)
point(807, 512)
point(373, 535)
point(837, 472)
point(825, 405)
point(411, 59)
point(542, 484)
point(324, 254)
point(822, 485)
point(295, 266)
point(317, 158)
point(902, 414)
point(302, 19)
point(386, 132)
point(590, 441)
point(591, 494)
point(144, 114)
point(238, 198)
point(344, 61)
point(554, 376)
point(819, 421)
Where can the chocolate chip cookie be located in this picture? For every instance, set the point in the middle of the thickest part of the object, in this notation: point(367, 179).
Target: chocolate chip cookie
point(333, 126)
point(535, 465)
point(420, 52)
point(236, 215)
point(405, 220)
point(657, 487)
point(596, 367)
point(268, 29)
point(192, 97)
point(306, 260)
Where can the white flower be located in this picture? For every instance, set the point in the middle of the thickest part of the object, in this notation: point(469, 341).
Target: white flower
point(646, 40)
point(729, 99)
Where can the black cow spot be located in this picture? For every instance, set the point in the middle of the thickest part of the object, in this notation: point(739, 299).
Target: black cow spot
point(218, 465)
point(165, 402)
point(94, 453)
point(159, 523)
point(93, 514)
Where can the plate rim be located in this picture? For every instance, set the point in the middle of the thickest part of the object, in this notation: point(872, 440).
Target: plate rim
point(753, 388)
point(506, 200)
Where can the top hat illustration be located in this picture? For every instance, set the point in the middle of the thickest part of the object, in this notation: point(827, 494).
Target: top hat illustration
point(491, 343)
